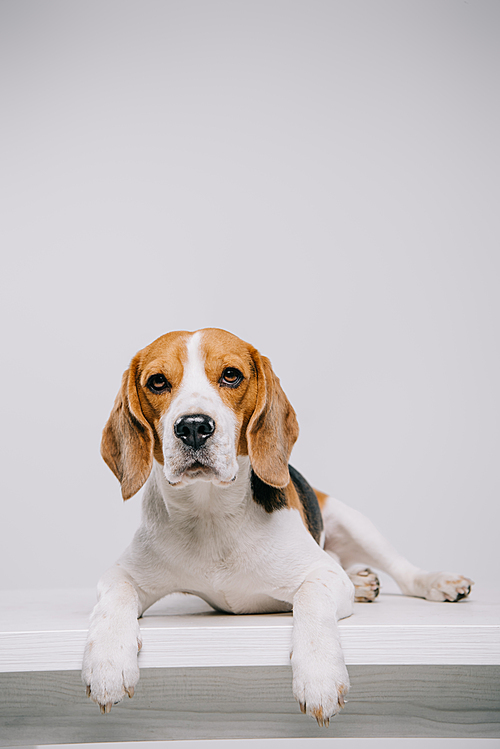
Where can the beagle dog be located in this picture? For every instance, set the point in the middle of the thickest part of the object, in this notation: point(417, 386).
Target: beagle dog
point(202, 421)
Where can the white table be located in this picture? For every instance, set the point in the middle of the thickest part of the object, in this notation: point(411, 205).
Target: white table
point(417, 669)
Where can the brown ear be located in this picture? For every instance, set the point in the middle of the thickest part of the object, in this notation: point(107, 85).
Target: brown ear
point(127, 439)
point(272, 429)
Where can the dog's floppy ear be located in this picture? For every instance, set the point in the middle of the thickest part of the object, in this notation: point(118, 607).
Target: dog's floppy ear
point(127, 439)
point(272, 429)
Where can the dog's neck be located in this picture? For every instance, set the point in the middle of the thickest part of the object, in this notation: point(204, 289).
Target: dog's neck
point(201, 499)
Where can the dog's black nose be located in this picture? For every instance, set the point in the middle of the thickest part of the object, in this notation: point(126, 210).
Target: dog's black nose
point(194, 429)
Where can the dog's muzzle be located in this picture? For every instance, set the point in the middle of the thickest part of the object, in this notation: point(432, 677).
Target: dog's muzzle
point(196, 447)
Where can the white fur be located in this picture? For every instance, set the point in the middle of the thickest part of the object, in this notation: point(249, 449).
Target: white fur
point(205, 534)
point(219, 544)
point(351, 538)
point(198, 395)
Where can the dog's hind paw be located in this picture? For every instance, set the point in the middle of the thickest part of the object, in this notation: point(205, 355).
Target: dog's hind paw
point(446, 586)
point(366, 583)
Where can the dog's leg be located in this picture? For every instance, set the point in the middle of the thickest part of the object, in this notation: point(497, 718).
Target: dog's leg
point(320, 678)
point(355, 541)
point(110, 668)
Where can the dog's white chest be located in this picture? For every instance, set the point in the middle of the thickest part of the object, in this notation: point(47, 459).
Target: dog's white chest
point(232, 554)
point(234, 573)
point(235, 593)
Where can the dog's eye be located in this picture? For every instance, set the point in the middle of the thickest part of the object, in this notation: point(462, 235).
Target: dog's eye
point(158, 383)
point(231, 377)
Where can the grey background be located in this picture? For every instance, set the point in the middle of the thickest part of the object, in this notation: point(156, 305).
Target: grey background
point(320, 178)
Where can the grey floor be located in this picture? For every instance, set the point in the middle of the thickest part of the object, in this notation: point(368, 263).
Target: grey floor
point(295, 744)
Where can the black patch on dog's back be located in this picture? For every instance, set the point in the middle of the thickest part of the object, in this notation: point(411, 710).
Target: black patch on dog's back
point(268, 496)
point(309, 502)
point(274, 499)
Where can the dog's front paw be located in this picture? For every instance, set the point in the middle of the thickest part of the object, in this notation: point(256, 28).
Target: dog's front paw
point(320, 684)
point(110, 670)
point(445, 586)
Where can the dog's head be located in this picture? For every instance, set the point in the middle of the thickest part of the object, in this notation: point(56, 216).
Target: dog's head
point(195, 402)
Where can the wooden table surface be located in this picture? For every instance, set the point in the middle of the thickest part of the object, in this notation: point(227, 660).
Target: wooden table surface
point(417, 668)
